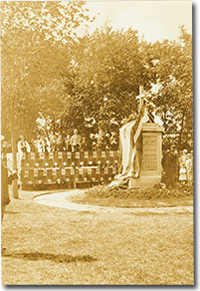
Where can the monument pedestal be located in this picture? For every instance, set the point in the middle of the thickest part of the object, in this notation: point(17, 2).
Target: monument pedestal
point(151, 168)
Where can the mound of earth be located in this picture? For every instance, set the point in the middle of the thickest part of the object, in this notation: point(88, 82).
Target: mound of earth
point(157, 196)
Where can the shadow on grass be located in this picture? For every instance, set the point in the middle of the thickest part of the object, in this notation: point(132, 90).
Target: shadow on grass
point(60, 258)
point(11, 212)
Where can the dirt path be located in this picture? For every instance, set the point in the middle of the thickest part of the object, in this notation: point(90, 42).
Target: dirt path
point(62, 200)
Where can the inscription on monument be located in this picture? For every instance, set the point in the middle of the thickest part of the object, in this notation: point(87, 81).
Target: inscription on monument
point(149, 153)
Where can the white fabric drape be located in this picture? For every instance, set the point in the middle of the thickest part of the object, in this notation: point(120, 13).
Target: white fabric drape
point(129, 134)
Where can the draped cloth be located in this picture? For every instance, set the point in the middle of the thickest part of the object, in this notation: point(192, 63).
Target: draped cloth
point(129, 152)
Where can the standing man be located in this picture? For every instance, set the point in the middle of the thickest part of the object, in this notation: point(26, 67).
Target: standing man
point(166, 167)
point(75, 141)
point(59, 143)
point(172, 166)
point(114, 141)
point(67, 143)
point(176, 165)
point(189, 168)
point(5, 181)
point(107, 141)
point(182, 167)
point(23, 146)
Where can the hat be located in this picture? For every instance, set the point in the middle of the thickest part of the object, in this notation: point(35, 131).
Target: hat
point(185, 151)
point(75, 130)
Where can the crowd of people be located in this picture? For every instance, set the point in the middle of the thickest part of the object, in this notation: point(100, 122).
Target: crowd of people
point(177, 167)
point(74, 143)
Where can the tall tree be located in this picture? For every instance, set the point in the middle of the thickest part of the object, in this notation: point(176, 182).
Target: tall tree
point(105, 75)
point(33, 38)
point(175, 95)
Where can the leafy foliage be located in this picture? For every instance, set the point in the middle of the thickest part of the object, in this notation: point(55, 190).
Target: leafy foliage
point(175, 95)
point(88, 82)
point(104, 78)
point(35, 36)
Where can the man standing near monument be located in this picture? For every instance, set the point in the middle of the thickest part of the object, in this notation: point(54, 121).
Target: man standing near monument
point(170, 164)
point(172, 171)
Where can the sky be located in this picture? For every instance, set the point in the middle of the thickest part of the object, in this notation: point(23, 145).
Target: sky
point(156, 20)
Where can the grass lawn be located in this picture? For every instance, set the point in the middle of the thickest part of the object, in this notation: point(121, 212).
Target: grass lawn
point(55, 246)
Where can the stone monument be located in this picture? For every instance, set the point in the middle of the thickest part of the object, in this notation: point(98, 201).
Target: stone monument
point(151, 169)
point(140, 148)
point(151, 151)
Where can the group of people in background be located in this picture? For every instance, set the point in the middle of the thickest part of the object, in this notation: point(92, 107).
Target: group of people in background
point(186, 166)
point(74, 143)
point(177, 167)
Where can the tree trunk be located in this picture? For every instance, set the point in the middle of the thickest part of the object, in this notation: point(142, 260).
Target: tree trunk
point(14, 154)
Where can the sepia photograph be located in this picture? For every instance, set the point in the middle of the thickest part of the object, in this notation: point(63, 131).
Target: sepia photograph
point(97, 143)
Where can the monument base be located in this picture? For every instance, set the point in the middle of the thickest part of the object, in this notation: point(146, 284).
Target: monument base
point(146, 181)
point(151, 169)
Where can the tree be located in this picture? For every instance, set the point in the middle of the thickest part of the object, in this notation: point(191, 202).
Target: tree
point(175, 95)
point(33, 38)
point(104, 79)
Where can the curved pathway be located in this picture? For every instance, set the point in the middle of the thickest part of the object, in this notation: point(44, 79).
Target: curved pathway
point(62, 200)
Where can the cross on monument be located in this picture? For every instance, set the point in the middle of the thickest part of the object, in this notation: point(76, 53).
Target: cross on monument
point(140, 97)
